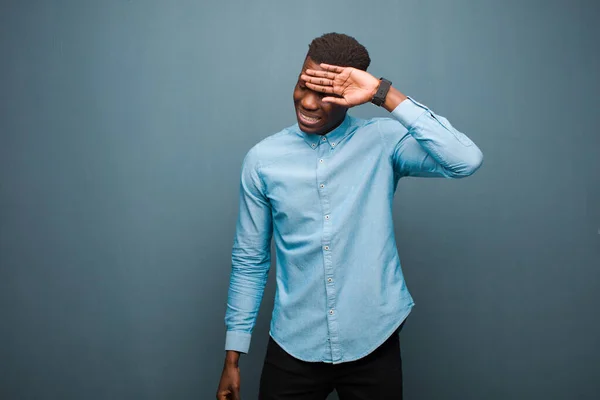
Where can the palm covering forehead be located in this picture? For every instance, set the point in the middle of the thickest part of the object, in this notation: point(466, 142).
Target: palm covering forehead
point(352, 85)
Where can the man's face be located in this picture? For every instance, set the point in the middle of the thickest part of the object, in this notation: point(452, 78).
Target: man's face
point(315, 116)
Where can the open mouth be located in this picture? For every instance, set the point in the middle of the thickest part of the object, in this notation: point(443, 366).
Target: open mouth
point(306, 120)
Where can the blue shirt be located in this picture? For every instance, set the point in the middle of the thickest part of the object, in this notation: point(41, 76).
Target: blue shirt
point(327, 203)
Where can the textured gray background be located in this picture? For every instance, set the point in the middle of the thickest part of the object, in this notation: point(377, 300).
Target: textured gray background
point(123, 126)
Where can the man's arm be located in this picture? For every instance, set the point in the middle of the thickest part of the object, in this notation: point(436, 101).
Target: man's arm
point(250, 263)
point(431, 145)
point(250, 258)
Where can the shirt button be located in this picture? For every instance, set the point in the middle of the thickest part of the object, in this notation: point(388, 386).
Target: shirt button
point(329, 280)
point(333, 144)
point(322, 186)
point(327, 217)
point(324, 139)
point(313, 145)
point(321, 160)
point(326, 247)
point(331, 312)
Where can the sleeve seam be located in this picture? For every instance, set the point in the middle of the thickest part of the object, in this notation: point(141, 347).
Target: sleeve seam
point(263, 185)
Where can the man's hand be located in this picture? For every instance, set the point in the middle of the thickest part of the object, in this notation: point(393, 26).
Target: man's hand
point(352, 86)
point(349, 86)
point(229, 386)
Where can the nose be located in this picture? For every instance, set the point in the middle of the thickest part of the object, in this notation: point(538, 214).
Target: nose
point(310, 100)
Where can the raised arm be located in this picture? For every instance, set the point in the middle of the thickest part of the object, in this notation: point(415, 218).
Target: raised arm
point(429, 146)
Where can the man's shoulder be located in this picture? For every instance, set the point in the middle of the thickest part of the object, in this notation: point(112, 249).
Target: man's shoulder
point(281, 137)
point(273, 145)
point(378, 125)
point(376, 122)
point(387, 127)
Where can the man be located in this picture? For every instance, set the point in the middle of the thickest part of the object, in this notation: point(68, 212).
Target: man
point(323, 189)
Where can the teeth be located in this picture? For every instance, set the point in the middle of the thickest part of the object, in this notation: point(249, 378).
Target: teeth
point(309, 118)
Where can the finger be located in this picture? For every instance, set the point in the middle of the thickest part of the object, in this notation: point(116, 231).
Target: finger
point(317, 81)
point(319, 88)
point(320, 74)
point(335, 100)
point(235, 394)
point(332, 68)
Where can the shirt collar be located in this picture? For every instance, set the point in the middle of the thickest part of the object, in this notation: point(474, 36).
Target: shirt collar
point(332, 138)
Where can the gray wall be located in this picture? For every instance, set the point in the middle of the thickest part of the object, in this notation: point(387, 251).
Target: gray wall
point(123, 126)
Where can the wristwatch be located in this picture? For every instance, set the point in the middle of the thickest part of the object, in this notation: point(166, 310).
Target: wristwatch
point(382, 91)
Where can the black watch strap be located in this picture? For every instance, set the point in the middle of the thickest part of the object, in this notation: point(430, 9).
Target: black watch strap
point(382, 91)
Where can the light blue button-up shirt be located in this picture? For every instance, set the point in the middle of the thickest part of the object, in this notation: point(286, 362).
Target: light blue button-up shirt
point(327, 203)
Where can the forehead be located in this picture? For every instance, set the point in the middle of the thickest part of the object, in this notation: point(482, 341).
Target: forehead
point(310, 64)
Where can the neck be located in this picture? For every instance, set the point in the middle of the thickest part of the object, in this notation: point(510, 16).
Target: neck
point(334, 127)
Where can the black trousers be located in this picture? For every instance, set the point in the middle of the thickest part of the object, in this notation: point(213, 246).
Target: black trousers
point(375, 376)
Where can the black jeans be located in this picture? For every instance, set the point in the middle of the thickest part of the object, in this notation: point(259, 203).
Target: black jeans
point(375, 376)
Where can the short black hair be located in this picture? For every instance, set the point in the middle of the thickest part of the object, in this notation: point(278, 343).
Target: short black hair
point(339, 49)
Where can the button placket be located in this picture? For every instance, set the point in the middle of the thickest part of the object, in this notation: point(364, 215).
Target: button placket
point(322, 178)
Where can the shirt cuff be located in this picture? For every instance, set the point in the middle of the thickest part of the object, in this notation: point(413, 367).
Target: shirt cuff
point(237, 341)
point(408, 111)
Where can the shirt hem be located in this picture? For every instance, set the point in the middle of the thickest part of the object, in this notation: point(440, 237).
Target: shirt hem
point(386, 337)
point(372, 349)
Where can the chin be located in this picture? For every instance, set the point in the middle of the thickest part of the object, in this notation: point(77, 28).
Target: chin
point(316, 129)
